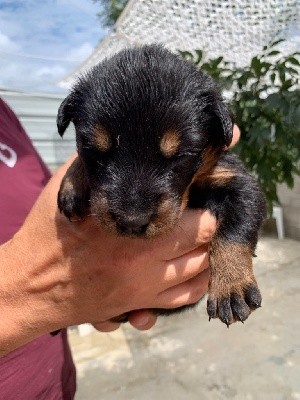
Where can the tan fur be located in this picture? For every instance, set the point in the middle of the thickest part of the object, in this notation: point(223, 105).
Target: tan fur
point(230, 268)
point(99, 208)
point(75, 178)
point(209, 160)
point(165, 219)
point(68, 185)
point(167, 215)
point(208, 173)
point(170, 143)
point(101, 138)
point(219, 176)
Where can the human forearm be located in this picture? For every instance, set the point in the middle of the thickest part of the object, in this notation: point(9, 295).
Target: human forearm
point(24, 316)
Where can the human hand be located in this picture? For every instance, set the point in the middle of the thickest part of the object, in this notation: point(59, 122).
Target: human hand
point(56, 273)
point(196, 259)
point(235, 136)
point(114, 275)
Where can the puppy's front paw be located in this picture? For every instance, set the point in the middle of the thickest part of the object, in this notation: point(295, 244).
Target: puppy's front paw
point(70, 203)
point(233, 291)
point(234, 304)
point(74, 193)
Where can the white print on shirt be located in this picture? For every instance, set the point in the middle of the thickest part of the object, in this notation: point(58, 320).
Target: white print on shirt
point(9, 159)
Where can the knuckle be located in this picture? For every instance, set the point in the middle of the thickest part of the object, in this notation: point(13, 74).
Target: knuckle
point(183, 301)
point(194, 297)
point(207, 228)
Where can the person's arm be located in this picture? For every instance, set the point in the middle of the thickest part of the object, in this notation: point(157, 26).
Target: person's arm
point(55, 273)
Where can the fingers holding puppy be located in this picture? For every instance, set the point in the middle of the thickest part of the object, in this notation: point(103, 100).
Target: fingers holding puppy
point(190, 270)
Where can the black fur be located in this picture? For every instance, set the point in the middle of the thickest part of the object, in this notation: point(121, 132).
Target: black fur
point(136, 97)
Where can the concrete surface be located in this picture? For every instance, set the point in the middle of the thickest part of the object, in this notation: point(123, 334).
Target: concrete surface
point(187, 357)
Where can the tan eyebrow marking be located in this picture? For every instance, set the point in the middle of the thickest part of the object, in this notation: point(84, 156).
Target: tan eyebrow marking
point(101, 139)
point(220, 176)
point(169, 143)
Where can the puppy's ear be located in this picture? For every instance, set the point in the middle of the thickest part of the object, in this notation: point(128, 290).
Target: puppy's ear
point(220, 124)
point(64, 115)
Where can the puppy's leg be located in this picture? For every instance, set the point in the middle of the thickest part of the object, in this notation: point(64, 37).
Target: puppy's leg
point(74, 192)
point(233, 291)
point(234, 197)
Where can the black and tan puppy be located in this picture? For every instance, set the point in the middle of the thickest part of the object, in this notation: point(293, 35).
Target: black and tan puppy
point(151, 134)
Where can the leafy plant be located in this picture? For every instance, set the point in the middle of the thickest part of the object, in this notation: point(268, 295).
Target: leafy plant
point(110, 11)
point(265, 99)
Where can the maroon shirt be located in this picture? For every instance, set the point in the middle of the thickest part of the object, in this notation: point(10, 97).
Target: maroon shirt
point(42, 369)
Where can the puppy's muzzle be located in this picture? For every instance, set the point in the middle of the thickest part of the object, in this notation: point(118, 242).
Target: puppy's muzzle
point(132, 224)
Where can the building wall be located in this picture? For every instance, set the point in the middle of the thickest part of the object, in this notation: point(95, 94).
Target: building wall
point(37, 113)
point(290, 201)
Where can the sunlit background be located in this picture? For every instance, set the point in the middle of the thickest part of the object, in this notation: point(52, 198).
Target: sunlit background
point(42, 41)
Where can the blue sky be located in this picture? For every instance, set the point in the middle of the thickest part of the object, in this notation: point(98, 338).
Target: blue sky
point(41, 41)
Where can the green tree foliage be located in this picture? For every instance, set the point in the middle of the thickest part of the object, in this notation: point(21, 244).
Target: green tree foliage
point(265, 99)
point(110, 11)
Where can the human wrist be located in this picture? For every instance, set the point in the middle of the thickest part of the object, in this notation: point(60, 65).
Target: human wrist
point(25, 314)
point(13, 329)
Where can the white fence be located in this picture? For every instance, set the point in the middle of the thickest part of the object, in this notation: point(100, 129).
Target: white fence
point(37, 113)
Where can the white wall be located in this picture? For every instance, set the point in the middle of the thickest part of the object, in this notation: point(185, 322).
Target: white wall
point(290, 201)
point(37, 113)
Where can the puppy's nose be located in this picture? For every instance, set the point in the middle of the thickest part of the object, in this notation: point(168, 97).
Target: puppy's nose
point(132, 224)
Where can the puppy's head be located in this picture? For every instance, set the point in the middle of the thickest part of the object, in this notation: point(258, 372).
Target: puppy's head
point(147, 123)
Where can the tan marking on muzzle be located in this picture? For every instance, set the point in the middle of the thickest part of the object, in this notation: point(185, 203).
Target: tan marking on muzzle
point(99, 208)
point(167, 215)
